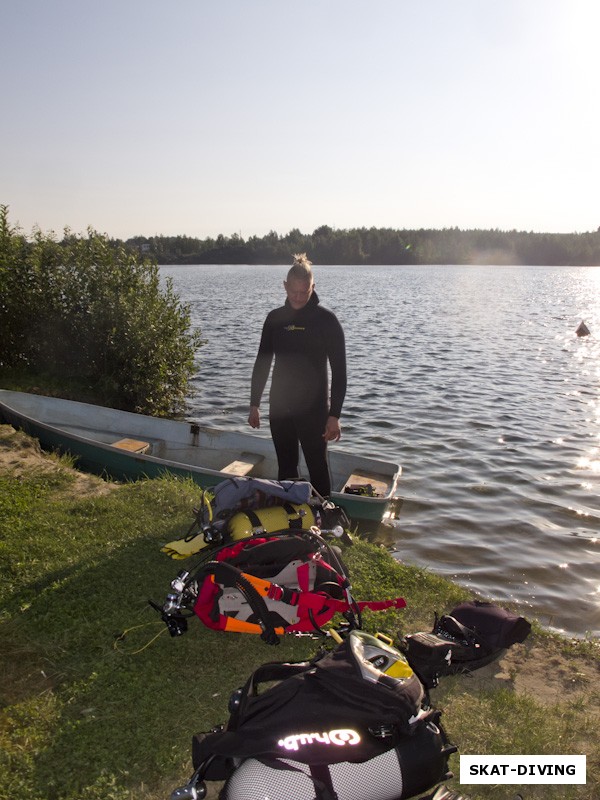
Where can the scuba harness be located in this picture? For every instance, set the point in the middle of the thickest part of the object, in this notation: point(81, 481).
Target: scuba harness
point(283, 582)
point(266, 566)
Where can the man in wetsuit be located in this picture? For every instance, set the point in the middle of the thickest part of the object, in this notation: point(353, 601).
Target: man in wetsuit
point(303, 337)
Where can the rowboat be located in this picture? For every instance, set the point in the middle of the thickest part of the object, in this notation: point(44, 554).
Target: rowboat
point(128, 446)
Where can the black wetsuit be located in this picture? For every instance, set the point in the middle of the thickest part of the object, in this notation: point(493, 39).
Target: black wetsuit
point(302, 343)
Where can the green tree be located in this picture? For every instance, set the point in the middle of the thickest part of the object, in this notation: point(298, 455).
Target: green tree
point(89, 308)
point(13, 283)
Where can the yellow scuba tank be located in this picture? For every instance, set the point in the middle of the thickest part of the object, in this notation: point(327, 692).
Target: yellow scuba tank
point(269, 520)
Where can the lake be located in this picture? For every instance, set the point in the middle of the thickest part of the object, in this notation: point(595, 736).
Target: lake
point(473, 379)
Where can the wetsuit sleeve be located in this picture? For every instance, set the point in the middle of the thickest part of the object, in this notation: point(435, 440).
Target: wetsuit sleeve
point(262, 365)
point(337, 362)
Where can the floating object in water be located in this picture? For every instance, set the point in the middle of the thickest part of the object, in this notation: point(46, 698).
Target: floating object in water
point(583, 329)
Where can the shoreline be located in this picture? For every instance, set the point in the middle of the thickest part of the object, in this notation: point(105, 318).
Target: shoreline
point(76, 690)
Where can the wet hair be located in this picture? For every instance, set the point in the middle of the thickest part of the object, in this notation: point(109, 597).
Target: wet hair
point(301, 268)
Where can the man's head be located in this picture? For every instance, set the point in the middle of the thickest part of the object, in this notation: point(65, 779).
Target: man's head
point(300, 283)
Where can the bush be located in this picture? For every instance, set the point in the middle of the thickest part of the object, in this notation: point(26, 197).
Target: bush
point(88, 308)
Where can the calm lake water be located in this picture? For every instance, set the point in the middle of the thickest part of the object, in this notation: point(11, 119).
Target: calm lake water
point(473, 379)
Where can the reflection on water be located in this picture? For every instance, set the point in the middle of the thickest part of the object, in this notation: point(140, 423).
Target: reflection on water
point(474, 380)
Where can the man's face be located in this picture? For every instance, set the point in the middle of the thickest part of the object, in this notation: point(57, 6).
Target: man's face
point(298, 292)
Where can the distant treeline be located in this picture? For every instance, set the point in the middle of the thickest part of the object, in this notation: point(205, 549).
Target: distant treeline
point(379, 246)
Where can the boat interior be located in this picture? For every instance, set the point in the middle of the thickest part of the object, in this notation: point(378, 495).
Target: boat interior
point(188, 443)
point(245, 463)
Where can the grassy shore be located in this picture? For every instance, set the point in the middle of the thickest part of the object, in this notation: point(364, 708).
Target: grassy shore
point(97, 701)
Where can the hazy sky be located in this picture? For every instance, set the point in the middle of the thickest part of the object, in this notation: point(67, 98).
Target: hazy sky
point(202, 117)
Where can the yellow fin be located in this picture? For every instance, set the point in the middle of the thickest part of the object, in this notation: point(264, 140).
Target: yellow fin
point(181, 548)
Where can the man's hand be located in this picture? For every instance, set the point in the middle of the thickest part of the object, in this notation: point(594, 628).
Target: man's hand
point(333, 432)
point(254, 417)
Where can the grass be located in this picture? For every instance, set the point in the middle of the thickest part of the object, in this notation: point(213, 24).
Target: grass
point(98, 702)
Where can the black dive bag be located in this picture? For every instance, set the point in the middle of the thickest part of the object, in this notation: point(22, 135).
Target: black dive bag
point(473, 634)
point(353, 723)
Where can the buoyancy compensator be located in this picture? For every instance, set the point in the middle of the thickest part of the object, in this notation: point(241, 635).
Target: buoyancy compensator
point(355, 722)
point(284, 582)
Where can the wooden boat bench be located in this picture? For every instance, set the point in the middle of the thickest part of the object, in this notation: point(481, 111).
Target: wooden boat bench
point(361, 478)
point(132, 445)
point(243, 465)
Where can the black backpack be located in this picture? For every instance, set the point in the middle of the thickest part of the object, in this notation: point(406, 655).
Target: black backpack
point(473, 634)
point(354, 722)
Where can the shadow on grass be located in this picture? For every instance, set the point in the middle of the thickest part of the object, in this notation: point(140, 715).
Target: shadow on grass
point(124, 709)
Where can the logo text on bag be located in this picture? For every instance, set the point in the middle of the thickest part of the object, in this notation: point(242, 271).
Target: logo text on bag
point(338, 737)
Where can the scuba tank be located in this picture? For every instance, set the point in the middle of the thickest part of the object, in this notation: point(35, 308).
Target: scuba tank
point(268, 520)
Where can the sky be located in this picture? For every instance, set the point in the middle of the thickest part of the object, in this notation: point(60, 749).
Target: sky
point(201, 117)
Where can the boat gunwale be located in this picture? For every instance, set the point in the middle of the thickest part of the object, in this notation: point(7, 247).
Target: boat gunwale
point(168, 464)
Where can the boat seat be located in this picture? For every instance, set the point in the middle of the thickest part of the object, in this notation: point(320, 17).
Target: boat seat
point(243, 465)
point(132, 445)
point(361, 478)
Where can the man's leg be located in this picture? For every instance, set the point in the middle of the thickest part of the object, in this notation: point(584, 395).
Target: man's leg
point(285, 440)
point(310, 432)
